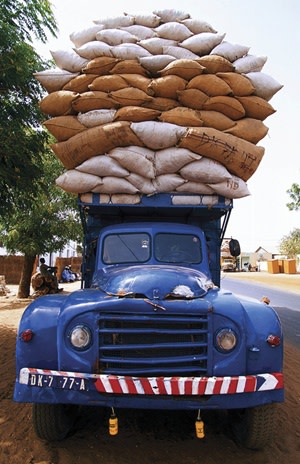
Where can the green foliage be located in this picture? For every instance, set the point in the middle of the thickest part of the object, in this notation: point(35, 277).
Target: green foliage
point(22, 140)
point(294, 193)
point(290, 244)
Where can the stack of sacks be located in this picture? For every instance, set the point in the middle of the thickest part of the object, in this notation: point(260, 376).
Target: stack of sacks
point(145, 104)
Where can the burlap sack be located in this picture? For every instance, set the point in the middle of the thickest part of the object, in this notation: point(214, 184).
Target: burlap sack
point(136, 114)
point(167, 86)
point(249, 129)
point(229, 106)
point(171, 160)
point(167, 183)
point(95, 141)
point(230, 51)
point(102, 165)
point(231, 188)
point(139, 31)
point(135, 159)
point(197, 25)
point(129, 67)
point(85, 35)
point(187, 69)
point(116, 36)
point(158, 135)
point(64, 127)
point(77, 182)
point(240, 85)
point(129, 51)
point(125, 199)
point(249, 63)
point(192, 98)
point(167, 15)
point(173, 30)
point(154, 64)
point(54, 79)
point(210, 84)
point(182, 116)
point(108, 83)
point(101, 65)
point(203, 43)
point(155, 45)
point(93, 100)
point(265, 86)
point(130, 96)
point(59, 103)
point(148, 20)
point(215, 119)
point(214, 64)
point(94, 49)
point(112, 184)
point(161, 103)
point(180, 53)
point(96, 117)
point(205, 170)
point(142, 184)
point(195, 187)
point(80, 83)
point(240, 157)
point(138, 81)
point(256, 107)
point(68, 60)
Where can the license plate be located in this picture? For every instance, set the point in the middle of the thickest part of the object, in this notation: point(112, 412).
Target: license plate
point(53, 381)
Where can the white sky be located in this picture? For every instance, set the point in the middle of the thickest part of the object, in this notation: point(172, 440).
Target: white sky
point(270, 28)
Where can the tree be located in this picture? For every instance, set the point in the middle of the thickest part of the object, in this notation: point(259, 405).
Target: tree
point(290, 244)
point(42, 221)
point(21, 21)
point(294, 193)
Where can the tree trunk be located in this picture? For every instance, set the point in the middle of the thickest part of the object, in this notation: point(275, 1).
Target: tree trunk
point(24, 285)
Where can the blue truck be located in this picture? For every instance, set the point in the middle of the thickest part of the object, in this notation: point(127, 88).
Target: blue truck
point(150, 327)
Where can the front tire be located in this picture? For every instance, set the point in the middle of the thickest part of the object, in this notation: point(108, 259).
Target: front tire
point(53, 422)
point(254, 428)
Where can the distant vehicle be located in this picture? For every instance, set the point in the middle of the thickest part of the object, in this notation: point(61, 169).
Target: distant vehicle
point(228, 264)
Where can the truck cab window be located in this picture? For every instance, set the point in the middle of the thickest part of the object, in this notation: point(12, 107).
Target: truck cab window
point(177, 248)
point(126, 248)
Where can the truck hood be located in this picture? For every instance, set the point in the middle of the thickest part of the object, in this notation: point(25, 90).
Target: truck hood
point(153, 282)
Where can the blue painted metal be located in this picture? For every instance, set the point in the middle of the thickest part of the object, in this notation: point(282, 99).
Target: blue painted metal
point(151, 318)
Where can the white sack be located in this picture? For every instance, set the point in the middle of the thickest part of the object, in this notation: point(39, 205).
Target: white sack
point(91, 50)
point(135, 159)
point(230, 51)
point(112, 184)
point(205, 170)
point(155, 45)
point(202, 44)
point(77, 182)
point(115, 36)
point(148, 20)
point(167, 182)
point(129, 51)
point(158, 135)
point(265, 85)
point(118, 21)
point(173, 31)
point(140, 32)
point(85, 35)
point(231, 188)
point(96, 117)
point(156, 63)
point(102, 165)
point(171, 15)
point(68, 60)
point(180, 53)
point(196, 26)
point(54, 79)
point(171, 160)
point(249, 63)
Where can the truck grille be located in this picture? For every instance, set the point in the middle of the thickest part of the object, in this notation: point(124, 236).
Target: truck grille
point(153, 345)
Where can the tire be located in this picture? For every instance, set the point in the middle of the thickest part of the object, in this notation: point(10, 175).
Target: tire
point(253, 428)
point(53, 422)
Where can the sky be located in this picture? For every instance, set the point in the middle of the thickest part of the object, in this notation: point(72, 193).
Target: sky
point(270, 28)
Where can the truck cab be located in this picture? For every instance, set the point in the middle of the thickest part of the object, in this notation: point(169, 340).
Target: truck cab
point(151, 328)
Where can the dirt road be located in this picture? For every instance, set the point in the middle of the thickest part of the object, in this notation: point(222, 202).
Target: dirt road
point(144, 436)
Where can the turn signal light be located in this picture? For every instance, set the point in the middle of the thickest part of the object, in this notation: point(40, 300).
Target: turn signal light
point(26, 335)
point(274, 340)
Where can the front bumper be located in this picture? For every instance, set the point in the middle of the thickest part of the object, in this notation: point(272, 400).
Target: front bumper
point(39, 385)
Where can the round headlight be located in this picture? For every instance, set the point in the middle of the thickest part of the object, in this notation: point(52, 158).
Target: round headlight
point(80, 337)
point(226, 340)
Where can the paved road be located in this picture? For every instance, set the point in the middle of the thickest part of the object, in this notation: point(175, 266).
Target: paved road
point(286, 304)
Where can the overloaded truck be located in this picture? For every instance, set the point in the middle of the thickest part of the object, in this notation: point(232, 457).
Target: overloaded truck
point(151, 328)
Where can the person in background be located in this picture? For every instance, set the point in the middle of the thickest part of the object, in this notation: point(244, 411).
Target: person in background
point(49, 272)
point(67, 275)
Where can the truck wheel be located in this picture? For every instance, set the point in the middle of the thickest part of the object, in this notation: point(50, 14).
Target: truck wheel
point(253, 428)
point(53, 422)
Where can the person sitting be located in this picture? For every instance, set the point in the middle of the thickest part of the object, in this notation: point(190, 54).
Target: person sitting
point(49, 275)
point(67, 275)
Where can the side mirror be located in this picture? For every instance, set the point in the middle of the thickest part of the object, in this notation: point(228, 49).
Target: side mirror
point(234, 247)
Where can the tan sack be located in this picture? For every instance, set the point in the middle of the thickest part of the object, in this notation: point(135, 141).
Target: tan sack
point(103, 165)
point(215, 119)
point(158, 135)
point(94, 100)
point(101, 65)
point(229, 106)
point(161, 104)
point(215, 63)
point(58, 103)
point(54, 79)
point(108, 83)
point(187, 69)
point(95, 141)
point(192, 98)
point(80, 83)
point(135, 159)
point(77, 182)
point(111, 184)
point(240, 85)
point(210, 84)
point(129, 67)
point(64, 127)
point(171, 160)
point(167, 86)
point(129, 96)
point(182, 116)
point(256, 107)
point(240, 157)
point(249, 129)
point(195, 187)
point(125, 199)
point(136, 114)
point(138, 81)
point(205, 170)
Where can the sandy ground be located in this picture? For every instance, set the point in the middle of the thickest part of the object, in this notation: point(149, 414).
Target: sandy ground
point(144, 436)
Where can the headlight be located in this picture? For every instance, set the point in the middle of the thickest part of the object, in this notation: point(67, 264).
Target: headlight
point(80, 337)
point(226, 340)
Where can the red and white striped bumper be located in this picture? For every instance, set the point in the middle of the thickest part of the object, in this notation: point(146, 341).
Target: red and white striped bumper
point(124, 385)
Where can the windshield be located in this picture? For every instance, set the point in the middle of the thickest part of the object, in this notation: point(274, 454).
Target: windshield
point(177, 248)
point(126, 248)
